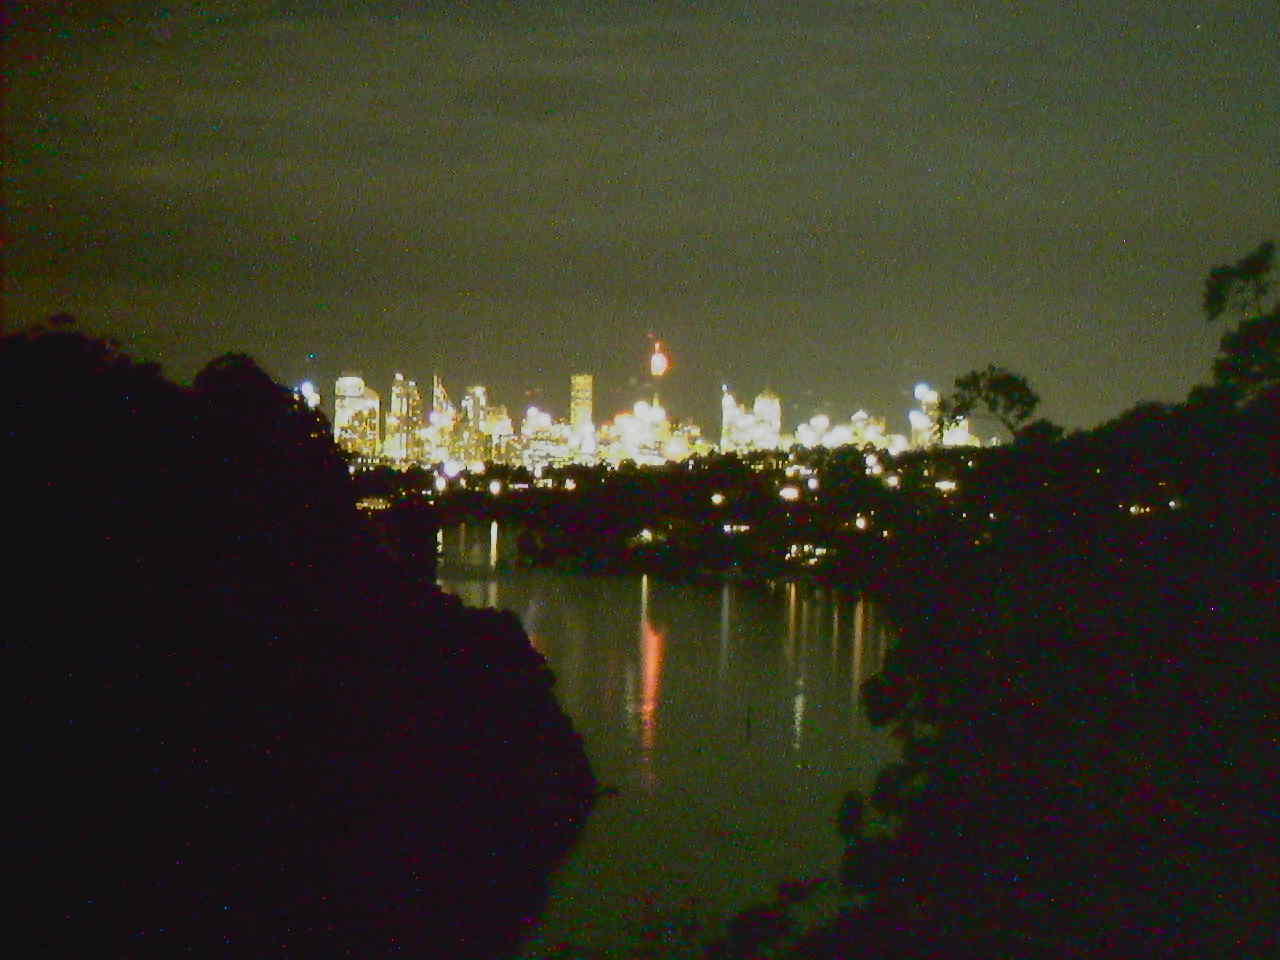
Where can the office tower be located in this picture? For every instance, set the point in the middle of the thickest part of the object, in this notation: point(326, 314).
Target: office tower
point(356, 412)
point(768, 415)
point(730, 415)
point(404, 434)
point(474, 403)
point(580, 401)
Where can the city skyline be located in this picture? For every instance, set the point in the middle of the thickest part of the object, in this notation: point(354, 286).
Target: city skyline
point(406, 426)
point(832, 201)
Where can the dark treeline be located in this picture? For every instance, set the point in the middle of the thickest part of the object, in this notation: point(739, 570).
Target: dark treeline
point(1086, 700)
point(246, 726)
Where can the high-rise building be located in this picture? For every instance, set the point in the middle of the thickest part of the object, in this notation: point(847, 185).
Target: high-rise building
point(580, 403)
point(356, 412)
point(474, 403)
point(730, 414)
point(759, 428)
point(404, 436)
point(768, 414)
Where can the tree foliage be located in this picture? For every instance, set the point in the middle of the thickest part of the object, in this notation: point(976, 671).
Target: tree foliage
point(1248, 361)
point(1003, 394)
point(1240, 287)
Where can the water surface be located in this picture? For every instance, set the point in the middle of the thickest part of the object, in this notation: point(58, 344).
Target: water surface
point(724, 715)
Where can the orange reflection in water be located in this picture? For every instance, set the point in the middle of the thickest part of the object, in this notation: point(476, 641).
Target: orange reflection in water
point(652, 649)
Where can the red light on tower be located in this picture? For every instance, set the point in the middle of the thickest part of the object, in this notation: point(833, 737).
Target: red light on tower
point(658, 363)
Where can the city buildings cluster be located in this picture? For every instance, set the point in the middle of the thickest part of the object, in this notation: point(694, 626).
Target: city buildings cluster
point(411, 428)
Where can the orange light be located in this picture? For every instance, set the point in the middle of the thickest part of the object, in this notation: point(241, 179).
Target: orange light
point(658, 363)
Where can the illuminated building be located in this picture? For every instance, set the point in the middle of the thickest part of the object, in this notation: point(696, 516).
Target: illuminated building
point(405, 430)
point(309, 394)
point(440, 422)
point(356, 412)
point(473, 406)
point(924, 421)
point(580, 402)
point(638, 435)
point(759, 428)
point(497, 427)
point(730, 412)
point(768, 414)
point(470, 442)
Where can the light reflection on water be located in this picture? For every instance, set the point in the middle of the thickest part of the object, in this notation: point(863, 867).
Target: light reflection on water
point(725, 716)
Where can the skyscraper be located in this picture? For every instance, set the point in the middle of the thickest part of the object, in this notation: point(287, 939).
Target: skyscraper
point(580, 402)
point(768, 413)
point(403, 438)
point(356, 412)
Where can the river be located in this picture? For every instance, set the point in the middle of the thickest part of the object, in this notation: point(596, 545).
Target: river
point(725, 717)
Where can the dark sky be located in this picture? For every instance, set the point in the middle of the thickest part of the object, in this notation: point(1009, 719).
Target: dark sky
point(832, 199)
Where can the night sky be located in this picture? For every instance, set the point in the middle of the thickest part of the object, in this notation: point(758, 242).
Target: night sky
point(835, 200)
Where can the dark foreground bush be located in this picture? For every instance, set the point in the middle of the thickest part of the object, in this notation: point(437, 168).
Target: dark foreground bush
point(243, 729)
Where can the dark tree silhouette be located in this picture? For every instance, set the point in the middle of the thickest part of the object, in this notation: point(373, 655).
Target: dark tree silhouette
point(1248, 361)
point(1003, 394)
point(1241, 287)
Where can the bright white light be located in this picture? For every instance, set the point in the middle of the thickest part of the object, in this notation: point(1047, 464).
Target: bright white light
point(945, 486)
point(570, 483)
point(893, 480)
point(812, 483)
point(658, 363)
point(926, 394)
point(839, 437)
point(717, 498)
point(919, 421)
point(789, 493)
point(861, 522)
point(495, 487)
point(441, 483)
point(452, 468)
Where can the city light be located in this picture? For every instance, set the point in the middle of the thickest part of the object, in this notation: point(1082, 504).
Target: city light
point(658, 363)
point(420, 427)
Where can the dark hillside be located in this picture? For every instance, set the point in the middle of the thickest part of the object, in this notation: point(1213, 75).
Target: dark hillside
point(244, 728)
